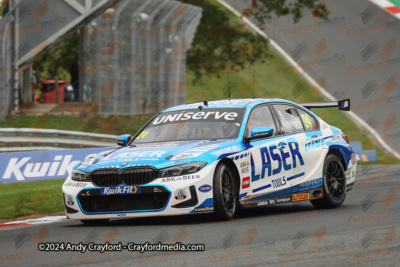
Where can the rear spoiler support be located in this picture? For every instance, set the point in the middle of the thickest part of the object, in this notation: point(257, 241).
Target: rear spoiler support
point(341, 105)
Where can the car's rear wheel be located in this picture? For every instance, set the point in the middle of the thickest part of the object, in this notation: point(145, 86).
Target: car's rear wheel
point(334, 180)
point(225, 193)
point(95, 222)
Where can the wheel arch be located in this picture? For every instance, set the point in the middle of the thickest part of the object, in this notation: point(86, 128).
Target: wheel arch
point(232, 166)
point(338, 154)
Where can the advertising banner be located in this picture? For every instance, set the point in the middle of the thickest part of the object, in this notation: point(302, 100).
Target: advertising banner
point(41, 165)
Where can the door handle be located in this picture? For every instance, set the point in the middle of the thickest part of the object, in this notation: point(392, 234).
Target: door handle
point(281, 145)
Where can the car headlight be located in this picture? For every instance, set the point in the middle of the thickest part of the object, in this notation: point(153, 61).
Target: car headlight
point(183, 169)
point(80, 176)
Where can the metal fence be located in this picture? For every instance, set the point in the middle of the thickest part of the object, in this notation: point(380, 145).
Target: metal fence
point(6, 66)
point(134, 56)
point(132, 52)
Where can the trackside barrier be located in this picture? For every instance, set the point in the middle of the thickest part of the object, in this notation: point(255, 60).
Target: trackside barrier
point(361, 155)
point(42, 165)
point(52, 137)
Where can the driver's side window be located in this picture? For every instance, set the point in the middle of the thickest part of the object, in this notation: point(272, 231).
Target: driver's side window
point(260, 117)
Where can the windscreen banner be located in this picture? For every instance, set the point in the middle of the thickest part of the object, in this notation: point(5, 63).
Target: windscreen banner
point(41, 165)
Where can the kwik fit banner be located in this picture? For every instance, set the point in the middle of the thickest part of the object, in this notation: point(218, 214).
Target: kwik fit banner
point(41, 165)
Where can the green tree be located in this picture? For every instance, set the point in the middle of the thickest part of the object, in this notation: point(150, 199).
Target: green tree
point(222, 43)
point(58, 60)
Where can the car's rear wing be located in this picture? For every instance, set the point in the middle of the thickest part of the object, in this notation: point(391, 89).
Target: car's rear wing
point(342, 105)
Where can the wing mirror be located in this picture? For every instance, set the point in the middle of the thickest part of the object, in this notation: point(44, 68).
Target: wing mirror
point(260, 132)
point(123, 140)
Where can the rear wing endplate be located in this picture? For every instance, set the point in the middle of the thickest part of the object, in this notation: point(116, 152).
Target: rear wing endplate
point(342, 105)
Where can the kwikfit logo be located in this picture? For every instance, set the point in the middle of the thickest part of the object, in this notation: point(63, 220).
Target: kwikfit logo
point(120, 190)
point(22, 168)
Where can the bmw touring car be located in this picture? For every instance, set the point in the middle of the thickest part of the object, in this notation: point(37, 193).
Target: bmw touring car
point(214, 157)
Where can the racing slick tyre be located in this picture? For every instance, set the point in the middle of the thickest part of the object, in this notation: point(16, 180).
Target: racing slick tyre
point(334, 181)
point(225, 193)
point(95, 222)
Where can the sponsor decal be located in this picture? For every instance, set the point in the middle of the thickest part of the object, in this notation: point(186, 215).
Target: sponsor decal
point(279, 200)
point(302, 196)
point(314, 144)
point(120, 190)
point(337, 138)
point(262, 203)
point(204, 209)
point(261, 132)
point(165, 164)
point(164, 173)
point(278, 182)
point(85, 194)
point(170, 179)
point(156, 190)
point(121, 214)
point(206, 206)
point(311, 184)
point(74, 184)
point(180, 194)
point(130, 156)
point(180, 178)
point(124, 164)
point(348, 175)
point(283, 199)
point(205, 188)
point(306, 186)
point(196, 116)
point(246, 182)
point(245, 170)
point(142, 134)
point(183, 156)
point(244, 164)
point(353, 158)
point(230, 149)
point(286, 160)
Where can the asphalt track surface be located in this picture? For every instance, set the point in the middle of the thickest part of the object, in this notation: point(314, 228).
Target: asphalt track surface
point(363, 231)
point(355, 55)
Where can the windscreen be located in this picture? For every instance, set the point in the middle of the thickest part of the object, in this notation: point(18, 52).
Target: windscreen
point(183, 125)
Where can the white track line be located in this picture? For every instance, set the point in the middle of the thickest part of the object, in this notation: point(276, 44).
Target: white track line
point(43, 220)
point(352, 115)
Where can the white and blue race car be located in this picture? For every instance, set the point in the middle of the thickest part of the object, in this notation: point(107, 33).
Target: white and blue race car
point(214, 157)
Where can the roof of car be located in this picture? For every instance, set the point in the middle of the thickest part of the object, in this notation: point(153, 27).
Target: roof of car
point(225, 103)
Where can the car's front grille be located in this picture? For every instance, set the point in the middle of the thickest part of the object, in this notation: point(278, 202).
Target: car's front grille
point(128, 176)
point(151, 198)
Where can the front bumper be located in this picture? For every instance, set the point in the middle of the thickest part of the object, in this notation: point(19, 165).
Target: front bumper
point(162, 197)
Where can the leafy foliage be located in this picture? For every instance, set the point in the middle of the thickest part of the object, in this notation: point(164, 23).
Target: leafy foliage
point(262, 9)
point(223, 44)
point(58, 60)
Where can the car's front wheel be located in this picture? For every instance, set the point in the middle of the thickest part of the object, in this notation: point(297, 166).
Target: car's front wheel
point(334, 180)
point(225, 193)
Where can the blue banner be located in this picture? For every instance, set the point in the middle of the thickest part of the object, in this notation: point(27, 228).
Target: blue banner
point(41, 165)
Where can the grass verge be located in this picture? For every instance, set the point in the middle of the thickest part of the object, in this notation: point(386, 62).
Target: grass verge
point(26, 198)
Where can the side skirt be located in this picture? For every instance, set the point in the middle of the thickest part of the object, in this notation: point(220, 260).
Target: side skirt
point(298, 196)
